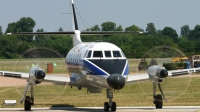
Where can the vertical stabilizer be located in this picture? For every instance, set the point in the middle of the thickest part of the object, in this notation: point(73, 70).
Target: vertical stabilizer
point(76, 37)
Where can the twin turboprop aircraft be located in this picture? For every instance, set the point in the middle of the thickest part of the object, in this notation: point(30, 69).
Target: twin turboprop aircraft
point(95, 66)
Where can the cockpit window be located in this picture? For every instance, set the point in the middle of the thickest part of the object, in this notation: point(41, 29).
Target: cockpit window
point(85, 54)
point(116, 54)
point(107, 54)
point(97, 54)
point(123, 54)
point(89, 54)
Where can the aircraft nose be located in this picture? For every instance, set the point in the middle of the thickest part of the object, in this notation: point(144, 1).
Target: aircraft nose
point(116, 81)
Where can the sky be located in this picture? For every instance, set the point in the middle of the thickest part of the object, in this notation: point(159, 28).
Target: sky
point(53, 14)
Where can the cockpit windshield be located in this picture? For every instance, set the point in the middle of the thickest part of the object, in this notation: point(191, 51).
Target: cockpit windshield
point(97, 54)
point(104, 54)
point(123, 54)
point(107, 54)
point(89, 54)
point(116, 54)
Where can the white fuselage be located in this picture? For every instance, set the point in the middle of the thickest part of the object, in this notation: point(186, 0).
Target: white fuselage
point(89, 64)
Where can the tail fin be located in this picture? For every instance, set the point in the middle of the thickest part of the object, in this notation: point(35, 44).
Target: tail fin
point(76, 37)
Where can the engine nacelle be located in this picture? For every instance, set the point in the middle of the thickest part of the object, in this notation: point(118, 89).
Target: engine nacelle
point(37, 75)
point(157, 73)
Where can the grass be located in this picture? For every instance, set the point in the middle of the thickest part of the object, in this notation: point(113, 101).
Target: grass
point(23, 65)
point(178, 91)
point(182, 91)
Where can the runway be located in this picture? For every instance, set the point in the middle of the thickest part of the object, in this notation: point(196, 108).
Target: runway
point(119, 109)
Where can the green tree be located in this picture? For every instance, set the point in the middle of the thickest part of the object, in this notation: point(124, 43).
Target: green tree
point(1, 32)
point(170, 32)
point(119, 28)
point(40, 39)
point(151, 30)
point(60, 29)
point(108, 26)
point(60, 43)
point(195, 34)
point(8, 45)
point(159, 31)
point(132, 28)
point(92, 38)
point(185, 30)
point(187, 46)
point(94, 28)
point(11, 28)
point(22, 47)
point(197, 47)
point(23, 25)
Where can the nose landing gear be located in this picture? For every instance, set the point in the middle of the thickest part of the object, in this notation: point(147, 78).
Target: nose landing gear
point(110, 104)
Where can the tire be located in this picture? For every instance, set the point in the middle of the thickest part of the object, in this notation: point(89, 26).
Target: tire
point(159, 102)
point(27, 103)
point(114, 106)
point(106, 106)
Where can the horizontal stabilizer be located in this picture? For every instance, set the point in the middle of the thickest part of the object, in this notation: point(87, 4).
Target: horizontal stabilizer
point(107, 32)
point(73, 32)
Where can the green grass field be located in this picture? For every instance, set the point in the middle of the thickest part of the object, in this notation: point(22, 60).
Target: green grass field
point(24, 65)
point(182, 91)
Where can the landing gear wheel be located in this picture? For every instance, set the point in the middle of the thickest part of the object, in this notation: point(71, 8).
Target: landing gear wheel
point(114, 105)
point(159, 102)
point(106, 106)
point(27, 103)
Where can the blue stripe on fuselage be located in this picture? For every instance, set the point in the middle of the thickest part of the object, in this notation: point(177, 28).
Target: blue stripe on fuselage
point(93, 70)
point(126, 72)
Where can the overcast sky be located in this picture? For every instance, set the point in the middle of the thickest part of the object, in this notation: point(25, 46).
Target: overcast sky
point(48, 14)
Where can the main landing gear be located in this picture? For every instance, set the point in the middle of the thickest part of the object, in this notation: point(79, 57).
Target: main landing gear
point(28, 101)
point(110, 104)
point(158, 99)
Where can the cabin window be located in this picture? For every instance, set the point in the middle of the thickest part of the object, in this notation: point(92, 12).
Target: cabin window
point(89, 54)
point(107, 54)
point(116, 54)
point(97, 54)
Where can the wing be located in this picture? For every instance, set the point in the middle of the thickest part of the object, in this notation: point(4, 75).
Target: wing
point(56, 79)
point(137, 77)
point(172, 73)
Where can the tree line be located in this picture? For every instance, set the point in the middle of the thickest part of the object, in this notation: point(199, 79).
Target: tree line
point(134, 46)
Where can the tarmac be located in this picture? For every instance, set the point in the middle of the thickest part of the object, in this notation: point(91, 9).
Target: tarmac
point(100, 109)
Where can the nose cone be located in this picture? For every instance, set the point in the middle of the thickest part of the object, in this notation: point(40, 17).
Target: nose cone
point(163, 73)
point(116, 81)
